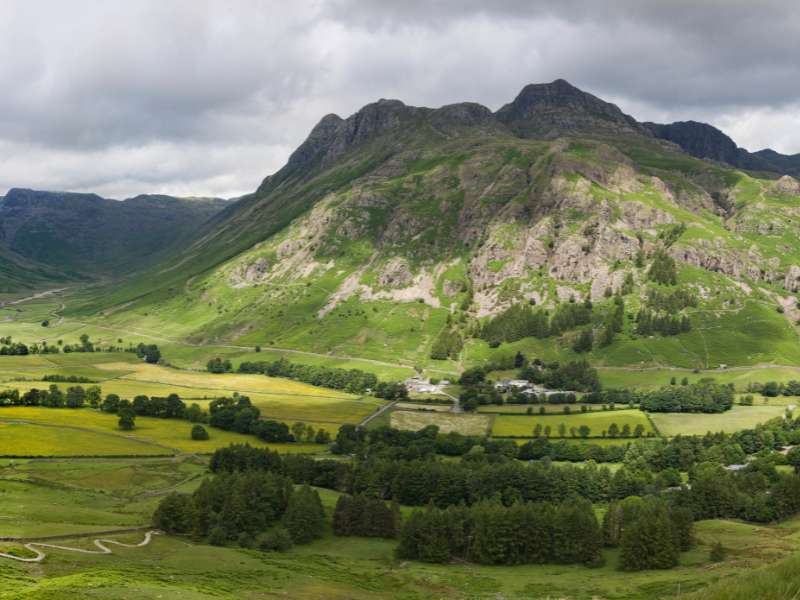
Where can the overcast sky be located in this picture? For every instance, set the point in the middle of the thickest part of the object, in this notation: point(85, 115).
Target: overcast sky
point(201, 97)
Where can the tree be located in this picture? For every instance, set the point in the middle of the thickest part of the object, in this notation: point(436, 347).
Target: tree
point(199, 433)
point(650, 541)
point(304, 518)
point(584, 431)
point(584, 342)
point(793, 458)
point(94, 395)
point(322, 437)
point(613, 430)
point(662, 269)
point(276, 539)
point(607, 337)
point(127, 419)
point(218, 365)
point(110, 404)
point(175, 514)
point(76, 396)
point(298, 430)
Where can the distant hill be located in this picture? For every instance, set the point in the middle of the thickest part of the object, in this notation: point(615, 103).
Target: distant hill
point(705, 141)
point(83, 235)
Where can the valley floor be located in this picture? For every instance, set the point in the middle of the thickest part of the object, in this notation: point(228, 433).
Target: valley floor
point(87, 476)
point(50, 497)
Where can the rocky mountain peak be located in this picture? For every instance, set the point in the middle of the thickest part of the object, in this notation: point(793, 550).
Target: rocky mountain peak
point(552, 109)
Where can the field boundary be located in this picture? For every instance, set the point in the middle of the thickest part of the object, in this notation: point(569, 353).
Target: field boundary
point(653, 424)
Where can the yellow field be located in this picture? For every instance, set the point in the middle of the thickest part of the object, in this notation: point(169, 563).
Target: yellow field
point(122, 374)
point(598, 421)
point(26, 439)
point(446, 422)
point(157, 436)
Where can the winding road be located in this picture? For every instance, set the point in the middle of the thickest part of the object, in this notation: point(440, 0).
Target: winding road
point(101, 543)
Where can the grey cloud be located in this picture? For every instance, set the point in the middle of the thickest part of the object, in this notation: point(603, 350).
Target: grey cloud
point(209, 96)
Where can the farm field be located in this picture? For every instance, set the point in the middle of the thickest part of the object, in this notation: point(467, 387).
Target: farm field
point(738, 417)
point(60, 431)
point(550, 409)
point(277, 398)
point(598, 421)
point(446, 422)
point(29, 439)
point(654, 378)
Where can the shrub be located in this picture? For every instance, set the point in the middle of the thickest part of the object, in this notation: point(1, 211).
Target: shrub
point(199, 433)
point(274, 540)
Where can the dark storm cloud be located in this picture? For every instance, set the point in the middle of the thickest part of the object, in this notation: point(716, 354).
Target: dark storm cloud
point(207, 97)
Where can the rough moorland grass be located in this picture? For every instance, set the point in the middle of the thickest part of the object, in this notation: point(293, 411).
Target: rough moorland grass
point(161, 436)
point(446, 422)
point(739, 417)
point(598, 421)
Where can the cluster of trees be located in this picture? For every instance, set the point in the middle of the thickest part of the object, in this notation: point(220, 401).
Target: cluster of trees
point(365, 516)
point(169, 407)
point(650, 532)
point(584, 431)
point(577, 375)
point(615, 319)
point(149, 353)
point(68, 379)
point(219, 365)
point(670, 300)
point(648, 323)
point(773, 388)
point(662, 269)
point(756, 493)
point(492, 533)
point(254, 508)
point(522, 320)
point(448, 344)
point(8, 347)
point(704, 396)
point(53, 397)
point(238, 414)
point(351, 380)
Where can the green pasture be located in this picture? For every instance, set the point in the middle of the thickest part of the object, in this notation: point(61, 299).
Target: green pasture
point(598, 421)
point(739, 417)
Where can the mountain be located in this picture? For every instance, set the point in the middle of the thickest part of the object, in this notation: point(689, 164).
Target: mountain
point(548, 110)
point(706, 141)
point(83, 235)
point(399, 231)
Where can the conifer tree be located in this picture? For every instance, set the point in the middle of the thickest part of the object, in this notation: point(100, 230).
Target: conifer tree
point(304, 518)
